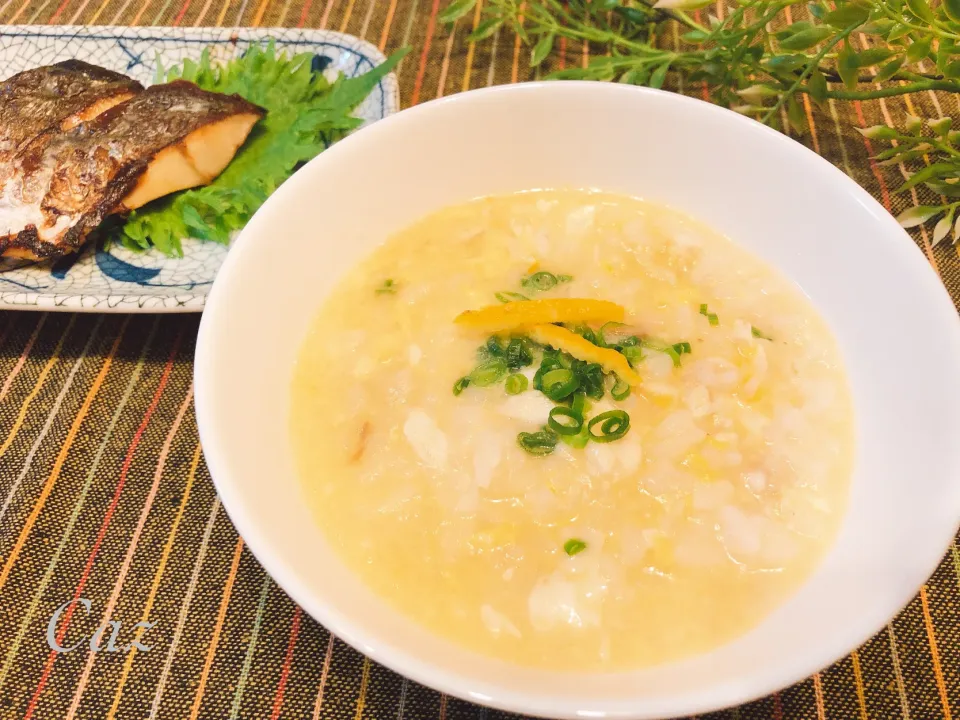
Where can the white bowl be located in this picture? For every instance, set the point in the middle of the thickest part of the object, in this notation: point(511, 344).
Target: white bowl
point(897, 328)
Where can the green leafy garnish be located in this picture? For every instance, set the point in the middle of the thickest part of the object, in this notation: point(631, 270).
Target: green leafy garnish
point(305, 114)
point(388, 287)
point(551, 360)
point(491, 349)
point(578, 403)
point(635, 353)
point(539, 443)
point(496, 361)
point(578, 441)
point(711, 317)
point(558, 384)
point(518, 354)
point(759, 334)
point(620, 390)
point(674, 354)
point(540, 281)
point(676, 350)
point(567, 381)
point(516, 384)
point(611, 336)
point(488, 373)
point(608, 336)
point(613, 425)
point(590, 376)
point(537, 282)
point(585, 332)
point(565, 421)
point(573, 546)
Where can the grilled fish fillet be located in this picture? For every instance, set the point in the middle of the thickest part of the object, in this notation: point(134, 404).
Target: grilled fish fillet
point(60, 184)
point(56, 97)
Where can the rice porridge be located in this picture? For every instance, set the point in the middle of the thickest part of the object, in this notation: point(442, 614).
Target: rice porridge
point(573, 430)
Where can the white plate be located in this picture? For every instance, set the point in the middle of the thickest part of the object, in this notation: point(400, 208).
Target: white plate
point(896, 327)
point(122, 280)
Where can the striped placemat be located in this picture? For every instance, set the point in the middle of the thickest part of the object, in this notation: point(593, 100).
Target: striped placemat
point(104, 495)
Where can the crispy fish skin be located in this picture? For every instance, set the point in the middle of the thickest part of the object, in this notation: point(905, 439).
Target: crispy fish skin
point(56, 97)
point(78, 178)
point(35, 106)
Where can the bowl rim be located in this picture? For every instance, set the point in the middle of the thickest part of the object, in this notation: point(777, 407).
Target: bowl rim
point(432, 673)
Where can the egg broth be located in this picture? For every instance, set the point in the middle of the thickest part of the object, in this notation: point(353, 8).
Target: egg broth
point(718, 502)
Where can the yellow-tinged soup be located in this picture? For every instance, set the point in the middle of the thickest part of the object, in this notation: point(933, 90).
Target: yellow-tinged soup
point(449, 469)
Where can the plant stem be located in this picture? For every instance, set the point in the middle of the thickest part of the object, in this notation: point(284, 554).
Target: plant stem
point(913, 26)
point(815, 63)
point(943, 147)
point(679, 15)
point(831, 75)
point(945, 85)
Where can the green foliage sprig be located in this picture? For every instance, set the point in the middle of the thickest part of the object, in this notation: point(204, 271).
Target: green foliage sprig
point(912, 46)
point(942, 175)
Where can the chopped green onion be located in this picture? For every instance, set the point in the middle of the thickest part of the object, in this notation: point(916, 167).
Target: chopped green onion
point(492, 348)
point(674, 351)
point(517, 354)
point(551, 360)
point(620, 390)
point(516, 384)
point(759, 334)
point(585, 332)
point(540, 281)
point(578, 441)
point(614, 424)
point(547, 364)
point(506, 297)
point(674, 355)
point(590, 376)
point(538, 443)
point(711, 317)
point(564, 421)
point(488, 373)
point(633, 354)
point(606, 334)
point(574, 545)
point(559, 383)
point(460, 385)
point(564, 278)
point(387, 288)
point(578, 403)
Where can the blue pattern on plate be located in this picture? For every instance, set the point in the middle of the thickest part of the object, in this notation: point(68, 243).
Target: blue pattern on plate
point(117, 279)
point(115, 268)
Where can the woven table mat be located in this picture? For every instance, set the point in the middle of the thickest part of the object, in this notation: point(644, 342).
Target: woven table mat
point(105, 495)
